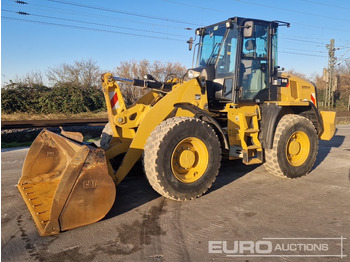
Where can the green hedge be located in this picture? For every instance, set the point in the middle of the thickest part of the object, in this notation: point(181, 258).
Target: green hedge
point(66, 99)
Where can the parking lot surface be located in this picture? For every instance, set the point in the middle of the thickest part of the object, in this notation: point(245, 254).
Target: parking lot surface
point(246, 204)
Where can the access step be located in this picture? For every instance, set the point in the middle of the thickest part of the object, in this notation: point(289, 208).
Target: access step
point(253, 156)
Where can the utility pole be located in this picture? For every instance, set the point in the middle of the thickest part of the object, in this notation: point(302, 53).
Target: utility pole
point(329, 95)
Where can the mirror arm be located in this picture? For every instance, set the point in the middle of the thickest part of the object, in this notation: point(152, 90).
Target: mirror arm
point(190, 42)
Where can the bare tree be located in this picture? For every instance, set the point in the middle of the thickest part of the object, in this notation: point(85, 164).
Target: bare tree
point(343, 68)
point(343, 72)
point(137, 69)
point(33, 79)
point(84, 73)
point(318, 81)
point(298, 74)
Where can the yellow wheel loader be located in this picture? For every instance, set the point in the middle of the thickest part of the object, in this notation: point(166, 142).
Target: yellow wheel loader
point(234, 104)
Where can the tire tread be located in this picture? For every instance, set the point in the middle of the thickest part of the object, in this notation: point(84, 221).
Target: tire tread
point(271, 157)
point(152, 146)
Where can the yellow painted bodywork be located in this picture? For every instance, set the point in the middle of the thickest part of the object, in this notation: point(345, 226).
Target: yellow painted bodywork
point(236, 122)
point(132, 126)
point(328, 119)
point(300, 92)
point(297, 90)
point(243, 126)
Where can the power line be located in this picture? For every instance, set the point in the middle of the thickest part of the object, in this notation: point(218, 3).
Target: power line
point(309, 45)
point(194, 6)
point(322, 27)
point(118, 11)
point(274, 7)
point(217, 10)
point(67, 11)
point(161, 25)
point(122, 12)
point(343, 61)
point(90, 23)
point(304, 50)
point(124, 33)
point(324, 4)
point(90, 29)
point(303, 40)
point(291, 10)
point(99, 24)
point(308, 37)
point(21, 2)
point(295, 53)
point(141, 30)
point(343, 46)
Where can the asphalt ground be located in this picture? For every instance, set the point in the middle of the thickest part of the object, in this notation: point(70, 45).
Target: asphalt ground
point(245, 213)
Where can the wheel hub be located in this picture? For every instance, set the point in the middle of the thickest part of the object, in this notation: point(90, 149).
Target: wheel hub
point(298, 148)
point(189, 160)
point(294, 147)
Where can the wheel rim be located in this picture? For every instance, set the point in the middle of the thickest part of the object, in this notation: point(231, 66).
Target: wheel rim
point(189, 160)
point(298, 148)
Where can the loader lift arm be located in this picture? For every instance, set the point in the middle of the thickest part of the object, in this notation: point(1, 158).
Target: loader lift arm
point(130, 139)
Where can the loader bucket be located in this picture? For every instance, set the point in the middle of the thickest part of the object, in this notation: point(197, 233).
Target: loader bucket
point(65, 184)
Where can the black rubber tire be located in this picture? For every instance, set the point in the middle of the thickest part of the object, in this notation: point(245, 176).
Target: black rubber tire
point(106, 136)
point(276, 161)
point(158, 152)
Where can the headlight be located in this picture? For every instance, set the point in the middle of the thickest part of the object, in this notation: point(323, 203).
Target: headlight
point(193, 74)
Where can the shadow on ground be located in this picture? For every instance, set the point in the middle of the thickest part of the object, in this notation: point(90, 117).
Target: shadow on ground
point(135, 190)
point(325, 147)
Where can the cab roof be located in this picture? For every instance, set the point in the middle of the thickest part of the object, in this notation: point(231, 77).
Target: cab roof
point(241, 20)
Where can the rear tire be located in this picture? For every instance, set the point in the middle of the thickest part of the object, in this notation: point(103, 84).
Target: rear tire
point(294, 149)
point(182, 158)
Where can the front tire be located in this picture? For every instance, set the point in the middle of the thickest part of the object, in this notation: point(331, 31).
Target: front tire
point(182, 158)
point(294, 149)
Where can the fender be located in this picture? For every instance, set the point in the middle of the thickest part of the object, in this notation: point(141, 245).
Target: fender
point(320, 128)
point(271, 114)
point(203, 115)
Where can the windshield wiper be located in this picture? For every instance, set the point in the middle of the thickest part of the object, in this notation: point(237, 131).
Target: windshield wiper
point(214, 54)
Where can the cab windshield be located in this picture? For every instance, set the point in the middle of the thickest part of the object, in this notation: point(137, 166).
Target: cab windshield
point(211, 44)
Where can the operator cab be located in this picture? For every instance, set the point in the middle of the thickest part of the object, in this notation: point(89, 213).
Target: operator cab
point(238, 59)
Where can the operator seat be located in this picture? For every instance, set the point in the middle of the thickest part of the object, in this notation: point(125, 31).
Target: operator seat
point(253, 77)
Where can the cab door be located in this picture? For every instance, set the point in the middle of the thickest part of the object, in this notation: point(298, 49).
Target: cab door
point(226, 66)
point(254, 65)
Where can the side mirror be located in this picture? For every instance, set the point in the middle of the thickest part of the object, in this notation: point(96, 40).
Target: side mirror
point(190, 43)
point(248, 29)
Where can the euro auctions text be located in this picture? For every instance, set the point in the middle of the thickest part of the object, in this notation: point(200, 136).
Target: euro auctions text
point(279, 247)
